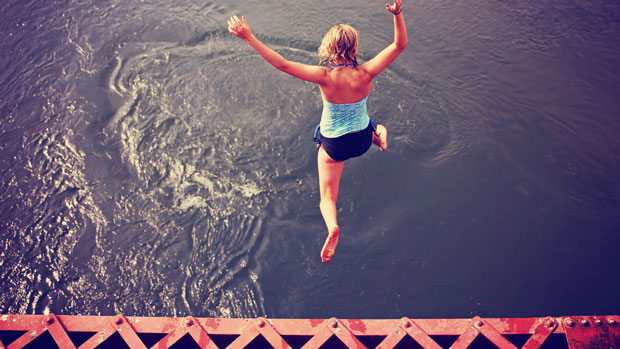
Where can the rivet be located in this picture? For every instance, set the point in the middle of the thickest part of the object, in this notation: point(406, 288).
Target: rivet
point(49, 320)
point(189, 322)
point(334, 324)
point(479, 324)
point(611, 321)
point(118, 321)
point(549, 323)
point(261, 323)
point(585, 322)
point(407, 324)
point(570, 322)
point(598, 322)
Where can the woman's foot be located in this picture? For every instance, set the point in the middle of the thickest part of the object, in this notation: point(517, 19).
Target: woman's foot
point(329, 248)
point(380, 137)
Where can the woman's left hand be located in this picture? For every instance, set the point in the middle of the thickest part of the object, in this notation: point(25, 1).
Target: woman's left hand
point(239, 28)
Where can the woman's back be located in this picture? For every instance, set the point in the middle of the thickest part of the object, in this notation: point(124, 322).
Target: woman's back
point(346, 85)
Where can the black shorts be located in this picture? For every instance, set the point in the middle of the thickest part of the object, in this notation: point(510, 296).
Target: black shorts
point(349, 145)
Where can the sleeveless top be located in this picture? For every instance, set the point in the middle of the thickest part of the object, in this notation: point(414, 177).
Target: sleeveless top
point(340, 119)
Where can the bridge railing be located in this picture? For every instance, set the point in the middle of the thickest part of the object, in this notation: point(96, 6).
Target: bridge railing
point(73, 331)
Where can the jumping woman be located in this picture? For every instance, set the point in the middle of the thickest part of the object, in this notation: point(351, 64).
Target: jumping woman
point(346, 130)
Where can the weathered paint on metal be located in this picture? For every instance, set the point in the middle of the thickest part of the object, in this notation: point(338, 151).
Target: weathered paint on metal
point(592, 331)
point(541, 332)
point(580, 331)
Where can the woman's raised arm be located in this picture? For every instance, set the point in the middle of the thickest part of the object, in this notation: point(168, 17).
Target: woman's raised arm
point(312, 73)
point(389, 54)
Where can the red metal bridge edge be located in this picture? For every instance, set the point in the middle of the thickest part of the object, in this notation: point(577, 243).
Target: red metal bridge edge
point(579, 331)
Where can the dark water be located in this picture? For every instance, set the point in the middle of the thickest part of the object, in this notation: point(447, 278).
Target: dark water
point(152, 164)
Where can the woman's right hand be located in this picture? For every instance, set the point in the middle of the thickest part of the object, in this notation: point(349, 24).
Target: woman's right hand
point(395, 9)
point(239, 28)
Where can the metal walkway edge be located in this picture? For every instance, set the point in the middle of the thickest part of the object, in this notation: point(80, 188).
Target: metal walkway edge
point(74, 331)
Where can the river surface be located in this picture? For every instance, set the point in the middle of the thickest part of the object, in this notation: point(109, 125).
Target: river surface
point(152, 164)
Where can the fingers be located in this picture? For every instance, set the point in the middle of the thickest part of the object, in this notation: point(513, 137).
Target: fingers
point(233, 24)
point(239, 27)
point(233, 20)
point(394, 8)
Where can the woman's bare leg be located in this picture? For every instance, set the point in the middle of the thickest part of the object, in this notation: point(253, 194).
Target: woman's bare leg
point(380, 137)
point(329, 181)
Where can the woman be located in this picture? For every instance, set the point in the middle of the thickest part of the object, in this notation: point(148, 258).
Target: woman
point(346, 130)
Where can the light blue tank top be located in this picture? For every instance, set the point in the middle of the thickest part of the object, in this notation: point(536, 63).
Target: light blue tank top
point(340, 119)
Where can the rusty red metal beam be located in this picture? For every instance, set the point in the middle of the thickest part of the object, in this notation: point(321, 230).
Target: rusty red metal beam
point(578, 331)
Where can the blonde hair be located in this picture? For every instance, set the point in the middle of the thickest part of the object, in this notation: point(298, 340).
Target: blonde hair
point(339, 45)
